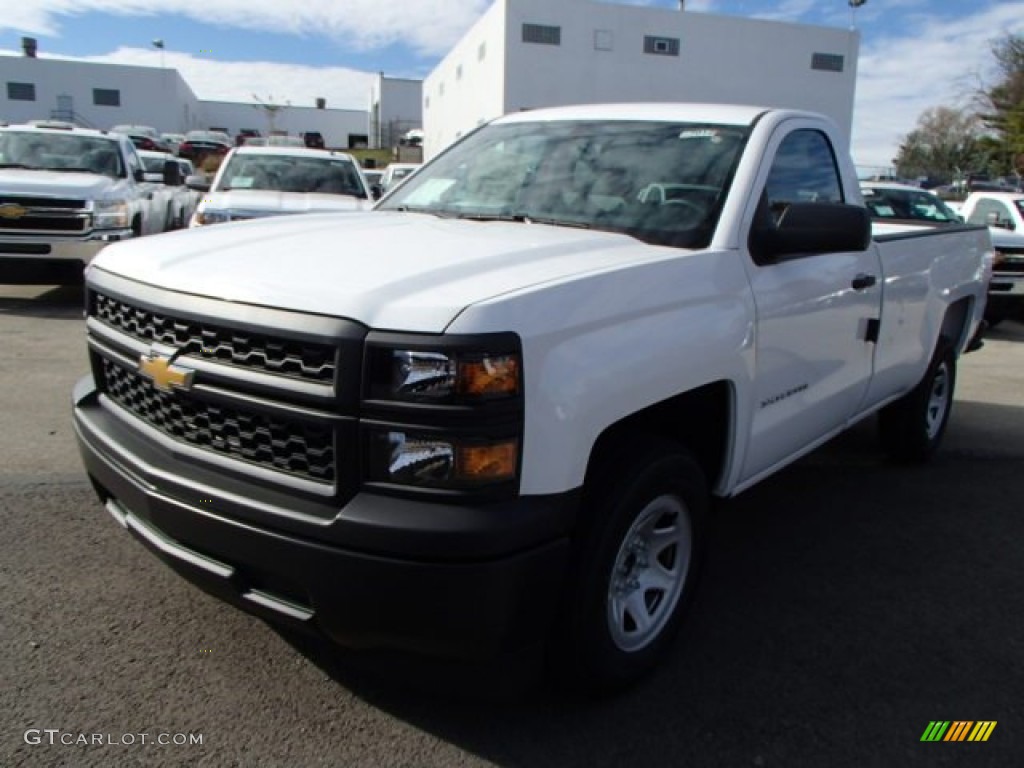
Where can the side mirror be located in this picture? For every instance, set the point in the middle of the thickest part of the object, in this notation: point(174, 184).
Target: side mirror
point(198, 183)
point(376, 191)
point(139, 175)
point(172, 173)
point(812, 228)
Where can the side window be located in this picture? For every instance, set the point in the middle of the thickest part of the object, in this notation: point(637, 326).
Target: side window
point(804, 171)
point(131, 158)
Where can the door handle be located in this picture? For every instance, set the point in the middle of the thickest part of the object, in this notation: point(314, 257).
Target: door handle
point(862, 281)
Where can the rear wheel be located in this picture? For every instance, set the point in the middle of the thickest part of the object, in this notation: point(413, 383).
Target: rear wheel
point(912, 428)
point(636, 569)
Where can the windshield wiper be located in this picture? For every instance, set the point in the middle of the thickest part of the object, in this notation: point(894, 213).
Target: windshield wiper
point(524, 218)
point(520, 218)
point(72, 170)
point(19, 165)
point(558, 222)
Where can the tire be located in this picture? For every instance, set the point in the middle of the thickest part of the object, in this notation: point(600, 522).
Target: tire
point(997, 309)
point(911, 429)
point(636, 567)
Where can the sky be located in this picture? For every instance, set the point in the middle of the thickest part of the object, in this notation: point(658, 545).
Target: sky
point(915, 54)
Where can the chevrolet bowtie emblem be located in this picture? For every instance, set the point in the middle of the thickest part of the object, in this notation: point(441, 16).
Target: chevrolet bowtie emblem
point(164, 374)
point(12, 211)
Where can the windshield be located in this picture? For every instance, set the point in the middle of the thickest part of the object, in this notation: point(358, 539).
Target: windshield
point(908, 204)
point(153, 164)
point(663, 183)
point(57, 151)
point(326, 175)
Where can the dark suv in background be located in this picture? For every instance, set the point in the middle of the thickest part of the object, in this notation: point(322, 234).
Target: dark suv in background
point(313, 139)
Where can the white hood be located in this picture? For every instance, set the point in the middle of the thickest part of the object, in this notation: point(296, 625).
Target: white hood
point(269, 202)
point(397, 271)
point(23, 181)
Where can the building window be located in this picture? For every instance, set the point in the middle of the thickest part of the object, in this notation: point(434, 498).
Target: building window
point(602, 39)
point(544, 35)
point(21, 91)
point(661, 46)
point(481, 51)
point(440, 88)
point(827, 62)
point(458, 72)
point(426, 102)
point(106, 97)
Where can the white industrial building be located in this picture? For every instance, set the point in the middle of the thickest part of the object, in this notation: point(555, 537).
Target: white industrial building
point(100, 95)
point(396, 107)
point(525, 54)
point(521, 54)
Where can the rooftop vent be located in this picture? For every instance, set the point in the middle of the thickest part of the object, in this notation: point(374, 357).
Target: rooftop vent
point(28, 47)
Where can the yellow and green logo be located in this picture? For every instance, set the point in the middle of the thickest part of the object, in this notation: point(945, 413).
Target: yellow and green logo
point(958, 730)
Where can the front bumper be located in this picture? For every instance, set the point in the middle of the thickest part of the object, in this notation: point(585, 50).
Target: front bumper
point(444, 580)
point(42, 258)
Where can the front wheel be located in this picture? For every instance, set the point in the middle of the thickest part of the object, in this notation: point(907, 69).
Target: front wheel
point(912, 427)
point(636, 569)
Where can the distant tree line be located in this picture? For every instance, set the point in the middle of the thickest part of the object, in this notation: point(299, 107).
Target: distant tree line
point(951, 145)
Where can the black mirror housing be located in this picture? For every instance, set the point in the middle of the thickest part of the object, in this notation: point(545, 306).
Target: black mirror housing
point(812, 228)
point(172, 173)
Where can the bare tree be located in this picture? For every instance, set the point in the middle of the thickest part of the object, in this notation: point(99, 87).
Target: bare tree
point(943, 146)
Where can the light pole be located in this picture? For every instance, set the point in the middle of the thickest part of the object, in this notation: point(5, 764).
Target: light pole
point(159, 44)
point(854, 5)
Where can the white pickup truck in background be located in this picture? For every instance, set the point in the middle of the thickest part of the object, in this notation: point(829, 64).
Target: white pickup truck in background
point(1003, 214)
point(489, 416)
point(65, 193)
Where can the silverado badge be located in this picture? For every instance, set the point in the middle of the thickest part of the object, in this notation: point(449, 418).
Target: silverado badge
point(163, 373)
point(12, 211)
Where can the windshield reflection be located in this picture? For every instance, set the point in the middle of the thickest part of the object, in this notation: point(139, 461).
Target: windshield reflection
point(663, 183)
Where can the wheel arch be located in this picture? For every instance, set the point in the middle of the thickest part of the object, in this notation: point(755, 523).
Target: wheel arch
point(956, 324)
point(701, 420)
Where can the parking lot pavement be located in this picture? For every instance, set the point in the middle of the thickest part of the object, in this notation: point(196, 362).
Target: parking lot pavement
point(846, 603)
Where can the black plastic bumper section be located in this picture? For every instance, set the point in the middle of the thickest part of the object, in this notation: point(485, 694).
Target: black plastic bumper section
point(453, 581)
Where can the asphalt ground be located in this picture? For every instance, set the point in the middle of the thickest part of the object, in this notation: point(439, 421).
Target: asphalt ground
point(845, 604)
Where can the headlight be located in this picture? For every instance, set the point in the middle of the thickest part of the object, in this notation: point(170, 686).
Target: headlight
point(443, 377)
point(443, 413)
point(111, 214)
point(445, 462)
point(212, 216)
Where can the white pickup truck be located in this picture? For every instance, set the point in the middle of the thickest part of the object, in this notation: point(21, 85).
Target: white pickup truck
point(65, 193)
point(489, 416)
point(1003, 213)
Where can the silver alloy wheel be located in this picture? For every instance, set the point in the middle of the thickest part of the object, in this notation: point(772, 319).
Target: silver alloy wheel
point(649, 573)
point(938, 401)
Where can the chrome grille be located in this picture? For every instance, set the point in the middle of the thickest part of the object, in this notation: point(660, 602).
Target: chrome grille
point(1013, 261)
point(300, 448)
point(42, 202)
point(255, 351)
